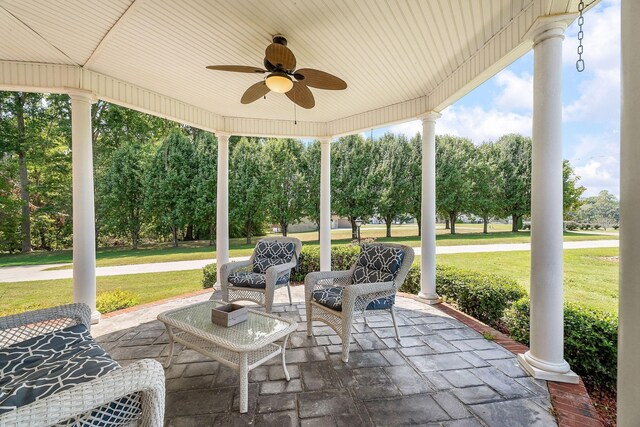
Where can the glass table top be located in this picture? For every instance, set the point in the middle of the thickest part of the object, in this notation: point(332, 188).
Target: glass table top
point(258, 328)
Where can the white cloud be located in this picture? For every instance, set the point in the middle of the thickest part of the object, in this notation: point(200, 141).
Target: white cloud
point(480, 124)
point(517, 91)
point(596, 160)
point(600, 93)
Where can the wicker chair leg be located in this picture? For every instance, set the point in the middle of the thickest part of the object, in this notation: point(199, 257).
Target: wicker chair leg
point(309, 321)
point(395, 325)
point(346, 341)
point(268, 300)
point(289, 290)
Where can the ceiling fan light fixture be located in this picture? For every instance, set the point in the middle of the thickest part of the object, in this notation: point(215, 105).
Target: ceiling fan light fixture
point(279, 82)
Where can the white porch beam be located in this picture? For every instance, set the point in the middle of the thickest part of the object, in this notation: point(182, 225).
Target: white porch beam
point(629, 317)
point(84, 249)
point(428, 211)
point(325, 204)
point(545, 359)
point(222, 203)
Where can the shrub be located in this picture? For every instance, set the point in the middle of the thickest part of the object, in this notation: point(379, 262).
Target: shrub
point(342, 258)
point(590, 340)
point(572, 225)
point(482, 296)
point(209, 276)
point(116, 299)
point(615, 227)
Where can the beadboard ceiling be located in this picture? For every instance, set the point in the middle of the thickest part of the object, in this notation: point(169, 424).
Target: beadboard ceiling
point(388, 51)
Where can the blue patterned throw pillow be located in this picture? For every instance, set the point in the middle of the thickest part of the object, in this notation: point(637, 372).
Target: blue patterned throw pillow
point(377, 263)
point(270, 253)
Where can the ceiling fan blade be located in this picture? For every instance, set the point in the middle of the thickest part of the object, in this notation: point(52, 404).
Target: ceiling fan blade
point(320, 79)
point(254, 93)
point(301, 95)
point(237, 68)
point(280, 55)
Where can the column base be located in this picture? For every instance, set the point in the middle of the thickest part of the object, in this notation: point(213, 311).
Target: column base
point(567, 377)
point(431, 299)
point(95, 317)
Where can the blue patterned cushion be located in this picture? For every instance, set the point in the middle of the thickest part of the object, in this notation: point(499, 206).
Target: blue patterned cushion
point(332, 298)
point(47, 364)
point(270, 253)
point(254, 280)
point(377, 263)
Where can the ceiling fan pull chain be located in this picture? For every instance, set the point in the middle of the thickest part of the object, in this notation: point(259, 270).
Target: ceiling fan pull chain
point(580, 61)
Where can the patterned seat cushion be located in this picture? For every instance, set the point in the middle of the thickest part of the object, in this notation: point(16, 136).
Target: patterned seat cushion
point(48, 364)
point(332, 298)
point(248, 279)
point(377, 263)
point(270, 253)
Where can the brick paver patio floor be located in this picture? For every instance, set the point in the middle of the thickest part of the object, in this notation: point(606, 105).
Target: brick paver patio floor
point(440, 373)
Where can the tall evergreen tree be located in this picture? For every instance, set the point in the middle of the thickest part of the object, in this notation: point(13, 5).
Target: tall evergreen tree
point(172, 171)
point(247, 187)
point(353, 194)
point(205, 185)
point(284, 181)
point(453, 176)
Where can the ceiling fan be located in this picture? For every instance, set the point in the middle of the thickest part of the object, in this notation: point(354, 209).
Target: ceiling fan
point(283, 77)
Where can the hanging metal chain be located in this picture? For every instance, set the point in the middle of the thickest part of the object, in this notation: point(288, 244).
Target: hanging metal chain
point(580, 61)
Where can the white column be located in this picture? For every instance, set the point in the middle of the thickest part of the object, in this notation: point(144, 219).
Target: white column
point(545, 359)
point(222, 203)
point(629, 329)
point(84, 235)
point(428, 211)
point(325, 204)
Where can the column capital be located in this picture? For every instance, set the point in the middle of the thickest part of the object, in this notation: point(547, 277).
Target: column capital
point(546, 27)
point(430, 116)
point(325, 139)
point(82, 95)
point(222, 135)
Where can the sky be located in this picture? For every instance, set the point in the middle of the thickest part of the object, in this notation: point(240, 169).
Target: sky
point(591, 103)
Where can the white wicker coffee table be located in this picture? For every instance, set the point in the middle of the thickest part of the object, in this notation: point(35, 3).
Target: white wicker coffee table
point(241, 347)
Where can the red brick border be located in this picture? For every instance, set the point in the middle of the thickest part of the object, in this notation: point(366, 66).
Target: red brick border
point(571, 402)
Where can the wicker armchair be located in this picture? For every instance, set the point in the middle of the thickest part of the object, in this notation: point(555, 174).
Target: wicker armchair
point(336, 297)
point(137, 390)
point(268, 269)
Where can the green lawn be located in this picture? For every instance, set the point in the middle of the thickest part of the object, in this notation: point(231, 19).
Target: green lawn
point(590, 275)
point(23, 296)
point(468, 234)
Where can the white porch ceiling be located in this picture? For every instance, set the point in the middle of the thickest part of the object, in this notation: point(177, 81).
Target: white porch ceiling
point(399, 58)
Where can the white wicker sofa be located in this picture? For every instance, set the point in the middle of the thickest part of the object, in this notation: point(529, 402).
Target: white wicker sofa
point(52, 372)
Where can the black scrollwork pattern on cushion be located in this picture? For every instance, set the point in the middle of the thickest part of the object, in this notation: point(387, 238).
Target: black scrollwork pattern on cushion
point(377, 263)
point(267, 254)
point(47, 364)
point(254, 280)
point(332, 298)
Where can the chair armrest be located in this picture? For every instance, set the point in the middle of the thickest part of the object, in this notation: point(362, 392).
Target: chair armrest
point(352, 292)
point(144, 376)
point(275, 271)
point(20, 327)
point(231, 267)
point(325, 279)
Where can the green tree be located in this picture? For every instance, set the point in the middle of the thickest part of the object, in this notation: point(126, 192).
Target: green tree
point(310, 167)
point(571, 191)
point(453, 181)
point(392, 177)
point(123, 195)
point(247, 187)
point(353, 194)
point(172, 171)
point(284, 182)
point(484, 191)
point(414, 169)
point(10, 232)
point(206, 183)
point(514, 177)
point(603, 209)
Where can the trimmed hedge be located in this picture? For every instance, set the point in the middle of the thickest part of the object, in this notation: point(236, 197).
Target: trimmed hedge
point(115, 299)
point(209, 276)
point(482, 296)
point(342, 258)
point(590, 340)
